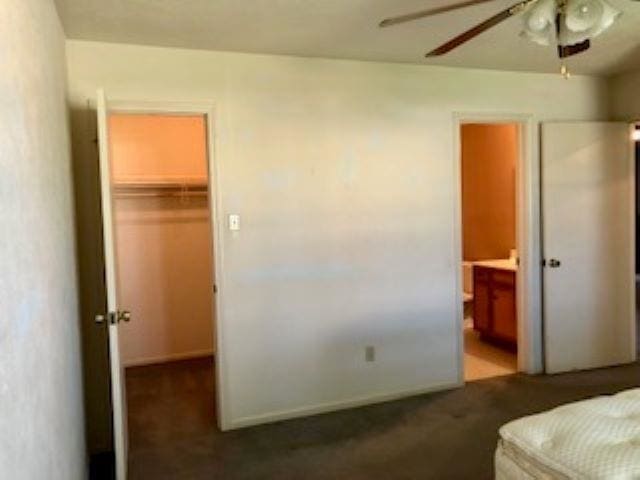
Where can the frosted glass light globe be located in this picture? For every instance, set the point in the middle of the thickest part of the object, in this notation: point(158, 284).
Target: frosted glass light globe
point(582, 15)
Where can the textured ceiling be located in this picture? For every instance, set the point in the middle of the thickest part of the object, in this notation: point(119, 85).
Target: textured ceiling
point(343, 29)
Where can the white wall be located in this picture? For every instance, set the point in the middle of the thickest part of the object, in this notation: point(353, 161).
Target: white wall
point(343, 173)
point(625, 96)
point(41, 411)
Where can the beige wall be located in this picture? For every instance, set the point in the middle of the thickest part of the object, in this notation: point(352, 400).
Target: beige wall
point(625, 99)
point(344, 175)
point(41, 411)
point(164, 243)
point(489, 154)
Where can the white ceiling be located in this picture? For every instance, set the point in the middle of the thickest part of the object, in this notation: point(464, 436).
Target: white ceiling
point(343, 29)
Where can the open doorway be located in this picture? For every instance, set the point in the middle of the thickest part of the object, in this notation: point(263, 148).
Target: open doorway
point(165, 270)
point(489, 158)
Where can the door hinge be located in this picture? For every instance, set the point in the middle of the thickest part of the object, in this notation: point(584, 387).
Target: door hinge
point(110, 317)
point(215, 288)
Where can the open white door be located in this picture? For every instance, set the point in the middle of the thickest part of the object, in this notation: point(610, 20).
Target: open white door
point(589, 245)
point(114, 315)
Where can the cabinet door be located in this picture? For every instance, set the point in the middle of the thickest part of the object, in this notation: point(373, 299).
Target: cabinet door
point(504, 312)
point(481, 299)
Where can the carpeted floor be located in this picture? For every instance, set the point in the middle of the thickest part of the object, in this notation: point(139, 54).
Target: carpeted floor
point(448, 435)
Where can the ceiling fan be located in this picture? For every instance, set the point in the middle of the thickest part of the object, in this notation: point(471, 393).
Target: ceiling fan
point(570, 24)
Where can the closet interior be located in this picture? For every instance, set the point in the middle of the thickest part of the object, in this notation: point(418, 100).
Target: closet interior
point(163, 236)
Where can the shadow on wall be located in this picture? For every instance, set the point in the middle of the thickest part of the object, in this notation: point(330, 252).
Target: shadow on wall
point(95, 343)
point(630, 57)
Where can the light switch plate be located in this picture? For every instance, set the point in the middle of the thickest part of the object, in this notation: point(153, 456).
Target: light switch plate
point(234, 222)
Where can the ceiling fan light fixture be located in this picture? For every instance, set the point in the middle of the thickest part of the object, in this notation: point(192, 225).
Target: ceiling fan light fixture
point(585, 19)
point(594, 16)
point(578, 20)
point(569, 25)
point(539, 22)
point(583, 15)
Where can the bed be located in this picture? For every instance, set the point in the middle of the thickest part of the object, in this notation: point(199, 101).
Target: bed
point(591, 439)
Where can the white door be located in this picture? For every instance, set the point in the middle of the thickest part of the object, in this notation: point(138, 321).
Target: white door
point(588, 245)
point(114, 315)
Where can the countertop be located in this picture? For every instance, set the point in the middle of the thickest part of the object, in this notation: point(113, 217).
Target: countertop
point(499, 264)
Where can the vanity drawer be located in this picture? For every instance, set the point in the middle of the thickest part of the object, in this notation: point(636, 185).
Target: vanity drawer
point(504, 276)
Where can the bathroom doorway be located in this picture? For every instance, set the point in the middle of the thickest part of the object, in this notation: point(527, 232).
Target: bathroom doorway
point(489, 158)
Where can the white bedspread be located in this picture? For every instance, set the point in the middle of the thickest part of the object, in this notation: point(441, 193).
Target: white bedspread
point(592, 439)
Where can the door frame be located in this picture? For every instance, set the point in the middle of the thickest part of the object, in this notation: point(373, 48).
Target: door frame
point(207, 109)
point(528, 239)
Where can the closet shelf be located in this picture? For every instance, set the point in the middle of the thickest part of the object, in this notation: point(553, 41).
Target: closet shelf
point(178, 187)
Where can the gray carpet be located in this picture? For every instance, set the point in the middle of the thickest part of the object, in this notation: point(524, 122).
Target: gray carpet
point(449, 435)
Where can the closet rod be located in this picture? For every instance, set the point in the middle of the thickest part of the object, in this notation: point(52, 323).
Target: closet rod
point(160, 194)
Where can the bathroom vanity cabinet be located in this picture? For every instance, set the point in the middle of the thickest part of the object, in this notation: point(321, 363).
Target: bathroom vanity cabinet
point(494, 303)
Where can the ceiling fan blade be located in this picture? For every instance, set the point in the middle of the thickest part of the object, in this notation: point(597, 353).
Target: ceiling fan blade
point(478, 29)
point(387, 22)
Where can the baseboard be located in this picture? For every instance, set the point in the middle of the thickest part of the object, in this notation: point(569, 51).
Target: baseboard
point(335, 406)
point(139, 362)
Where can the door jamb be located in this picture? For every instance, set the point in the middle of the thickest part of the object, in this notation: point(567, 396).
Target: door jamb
point(633, 126)
point(528, 241)
point(215, 208)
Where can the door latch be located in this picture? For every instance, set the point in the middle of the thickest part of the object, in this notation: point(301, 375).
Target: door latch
point(113, 318)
